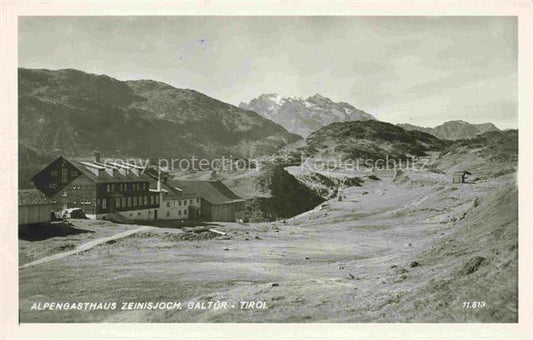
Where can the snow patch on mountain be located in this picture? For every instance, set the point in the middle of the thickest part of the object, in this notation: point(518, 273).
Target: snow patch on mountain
point(304, 115)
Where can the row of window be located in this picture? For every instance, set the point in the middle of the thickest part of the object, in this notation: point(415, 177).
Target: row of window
point(127, 202)
point(126, 187)
point(179, 213)
point(64, 172)
point(173, 203)
point(81, 202)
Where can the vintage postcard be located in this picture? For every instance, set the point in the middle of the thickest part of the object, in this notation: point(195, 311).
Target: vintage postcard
point(261, 168)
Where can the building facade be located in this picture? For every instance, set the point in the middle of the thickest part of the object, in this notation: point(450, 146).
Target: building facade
point(460, 176)
point(217, 202)
point(34, 207)
point(178, 204)
point(100, 190)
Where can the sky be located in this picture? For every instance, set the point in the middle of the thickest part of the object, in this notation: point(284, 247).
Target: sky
point(418, 70)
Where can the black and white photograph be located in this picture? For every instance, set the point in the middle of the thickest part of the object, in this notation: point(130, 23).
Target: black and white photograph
point(268, 169)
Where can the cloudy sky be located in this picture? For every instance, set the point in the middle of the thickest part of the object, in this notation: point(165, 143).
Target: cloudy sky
point(419, 70)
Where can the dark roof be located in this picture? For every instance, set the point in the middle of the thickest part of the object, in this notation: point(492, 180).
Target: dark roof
point(172, 192)
point(104, 177)
point(33, 197)
point(464, 172)
point(215, 192)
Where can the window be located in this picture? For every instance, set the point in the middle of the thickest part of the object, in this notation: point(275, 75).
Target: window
point(168, 204)
point(52, 185)
point(152, 199)
point(179, 203)
point(104, 203)
point(184, 212)
point(197, 200)
point(168, 213)
point(144, 186)
point(73, 202)
point(98, 202)
point(139, 213)
point(179, 212)
point(129, 201)
point(145, 200)
point(134, 201)
point(54, 173)
point(190, 202)
point(185, 202)
point(157, 200)
point(117, 202)
point(65, 193)
point(123, 202)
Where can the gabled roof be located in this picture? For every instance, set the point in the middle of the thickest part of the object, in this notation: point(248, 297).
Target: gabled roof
point(56, 175)
point(214, 192)
point(171, 192)
point(33, 197)
point(105, 177)
point(463, 172)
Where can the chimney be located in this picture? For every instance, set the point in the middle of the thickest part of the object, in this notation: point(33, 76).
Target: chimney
point(96, 156)
point(158, 179)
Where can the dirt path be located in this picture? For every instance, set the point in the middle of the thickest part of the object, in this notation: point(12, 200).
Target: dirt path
point(86, 246)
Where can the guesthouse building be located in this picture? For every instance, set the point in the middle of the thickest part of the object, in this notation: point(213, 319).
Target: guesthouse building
point(101, 190)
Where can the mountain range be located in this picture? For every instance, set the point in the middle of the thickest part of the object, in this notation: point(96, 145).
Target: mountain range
point(453, 130)
point(72, 113)
point(303, 116)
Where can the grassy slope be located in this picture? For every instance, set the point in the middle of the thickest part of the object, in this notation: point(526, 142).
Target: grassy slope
point(311, 258)
point(487, 231)
point(344, 261)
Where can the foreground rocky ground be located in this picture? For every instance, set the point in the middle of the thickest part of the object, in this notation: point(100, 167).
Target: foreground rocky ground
point(410, 249)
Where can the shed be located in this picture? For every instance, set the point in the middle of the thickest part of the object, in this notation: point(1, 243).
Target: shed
point(218, 204)
point(460, 176)
point(34, 207)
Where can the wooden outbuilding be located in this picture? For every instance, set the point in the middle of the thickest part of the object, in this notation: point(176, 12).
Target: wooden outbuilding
point(460, 176)
point(34, 207)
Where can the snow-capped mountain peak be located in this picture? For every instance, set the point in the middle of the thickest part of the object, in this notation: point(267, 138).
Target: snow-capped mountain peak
point(303, 116)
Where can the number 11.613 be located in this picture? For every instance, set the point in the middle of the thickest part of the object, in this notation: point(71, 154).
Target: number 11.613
point(474, 304)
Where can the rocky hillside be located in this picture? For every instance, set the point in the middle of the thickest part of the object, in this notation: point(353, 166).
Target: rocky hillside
point(491, 154)
point(453, 130)
point(303, 116)
point(369, 140)
point(73, 113)
point(270, 190)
